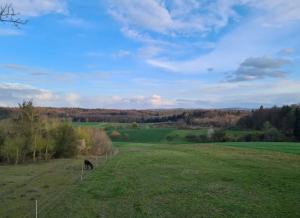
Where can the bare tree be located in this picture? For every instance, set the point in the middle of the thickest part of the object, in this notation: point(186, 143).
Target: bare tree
point(8, 15)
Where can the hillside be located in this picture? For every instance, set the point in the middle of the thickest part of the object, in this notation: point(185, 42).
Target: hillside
point(193, 117)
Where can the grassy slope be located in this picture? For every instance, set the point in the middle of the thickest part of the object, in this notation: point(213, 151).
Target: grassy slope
point(150, 180)
point(48, 182)
point(286, 147)
point(160, 180)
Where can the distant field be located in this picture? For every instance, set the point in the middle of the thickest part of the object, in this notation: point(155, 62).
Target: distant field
point(146, 133)
point(97, 124)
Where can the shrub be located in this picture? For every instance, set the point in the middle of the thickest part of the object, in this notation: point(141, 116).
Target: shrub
point(272, 134)
point(210, 132)
point(115, 134)
point(251, 137)
point(101, 143)
point(197, 138)
point(66, 141)
point(191, 138)
point(134, 125)
point(219, 136)
point(170, 138)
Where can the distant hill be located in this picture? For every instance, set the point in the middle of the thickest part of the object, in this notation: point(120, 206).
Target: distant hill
point(192, 117)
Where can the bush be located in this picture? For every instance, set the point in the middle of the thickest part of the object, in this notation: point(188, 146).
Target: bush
point(197, 138)
point(272, 134)
point(115, 134)
point(134, 125)
point(191, 138)
point(251, 137)
point(101, 143)
point(219, 136)
point(66, 141)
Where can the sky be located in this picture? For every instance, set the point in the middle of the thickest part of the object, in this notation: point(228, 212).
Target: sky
point(133, 54)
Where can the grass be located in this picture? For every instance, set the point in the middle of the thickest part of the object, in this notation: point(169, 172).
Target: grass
point(150, 180)
point(161, 180)
point(48, 182)
point(286, 147)
point(143, 135)
point(147, 133)
point(154, 177)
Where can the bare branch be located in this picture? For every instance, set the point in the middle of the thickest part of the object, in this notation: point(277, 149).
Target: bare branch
point(8, 15)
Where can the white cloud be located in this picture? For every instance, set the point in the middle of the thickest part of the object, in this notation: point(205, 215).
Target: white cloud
point(276, 12)
point(191, 16)
point(244, 94)
point(37, 7)
point(193, 95)
point(153, 101)
point(169, 25)
point(172, 17)
point(249, 39)
point(13, 93)
point(72, 99)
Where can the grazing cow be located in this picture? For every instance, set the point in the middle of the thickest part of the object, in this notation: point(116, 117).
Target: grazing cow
point(88, 165)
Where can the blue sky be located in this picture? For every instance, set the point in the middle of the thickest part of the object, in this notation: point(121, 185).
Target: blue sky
point(152, 53)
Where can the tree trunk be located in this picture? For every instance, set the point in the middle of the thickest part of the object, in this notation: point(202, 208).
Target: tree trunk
point(34, 149)
point(46, 152)
point(17, 157)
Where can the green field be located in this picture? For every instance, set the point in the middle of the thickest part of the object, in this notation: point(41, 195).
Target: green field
point(161, 180)
point(147, 133)
point(285, 147)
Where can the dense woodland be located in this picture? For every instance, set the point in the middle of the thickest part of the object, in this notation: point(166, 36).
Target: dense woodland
point(283, 120)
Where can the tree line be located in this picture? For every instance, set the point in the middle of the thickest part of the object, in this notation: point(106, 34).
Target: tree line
point(29, 136)
point(285, 120)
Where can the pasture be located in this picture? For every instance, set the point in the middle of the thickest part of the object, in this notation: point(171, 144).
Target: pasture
point(150, 133)
point(161, 180)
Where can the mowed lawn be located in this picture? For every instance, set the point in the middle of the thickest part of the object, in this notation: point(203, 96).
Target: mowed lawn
point(158, 180)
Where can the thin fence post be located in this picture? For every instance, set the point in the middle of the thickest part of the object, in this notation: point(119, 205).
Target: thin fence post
point(36, 209)
point(81, 172)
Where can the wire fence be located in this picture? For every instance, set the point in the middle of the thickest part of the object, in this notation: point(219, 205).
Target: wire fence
point(43, 202)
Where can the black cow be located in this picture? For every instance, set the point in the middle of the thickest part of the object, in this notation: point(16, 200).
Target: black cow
point(88, 165)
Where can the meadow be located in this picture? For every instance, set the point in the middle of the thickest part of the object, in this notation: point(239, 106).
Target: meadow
point(154, 133)
point(152, 177)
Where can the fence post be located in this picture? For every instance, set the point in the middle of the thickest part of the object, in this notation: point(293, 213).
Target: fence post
point(36, 209)
point(81, 172)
